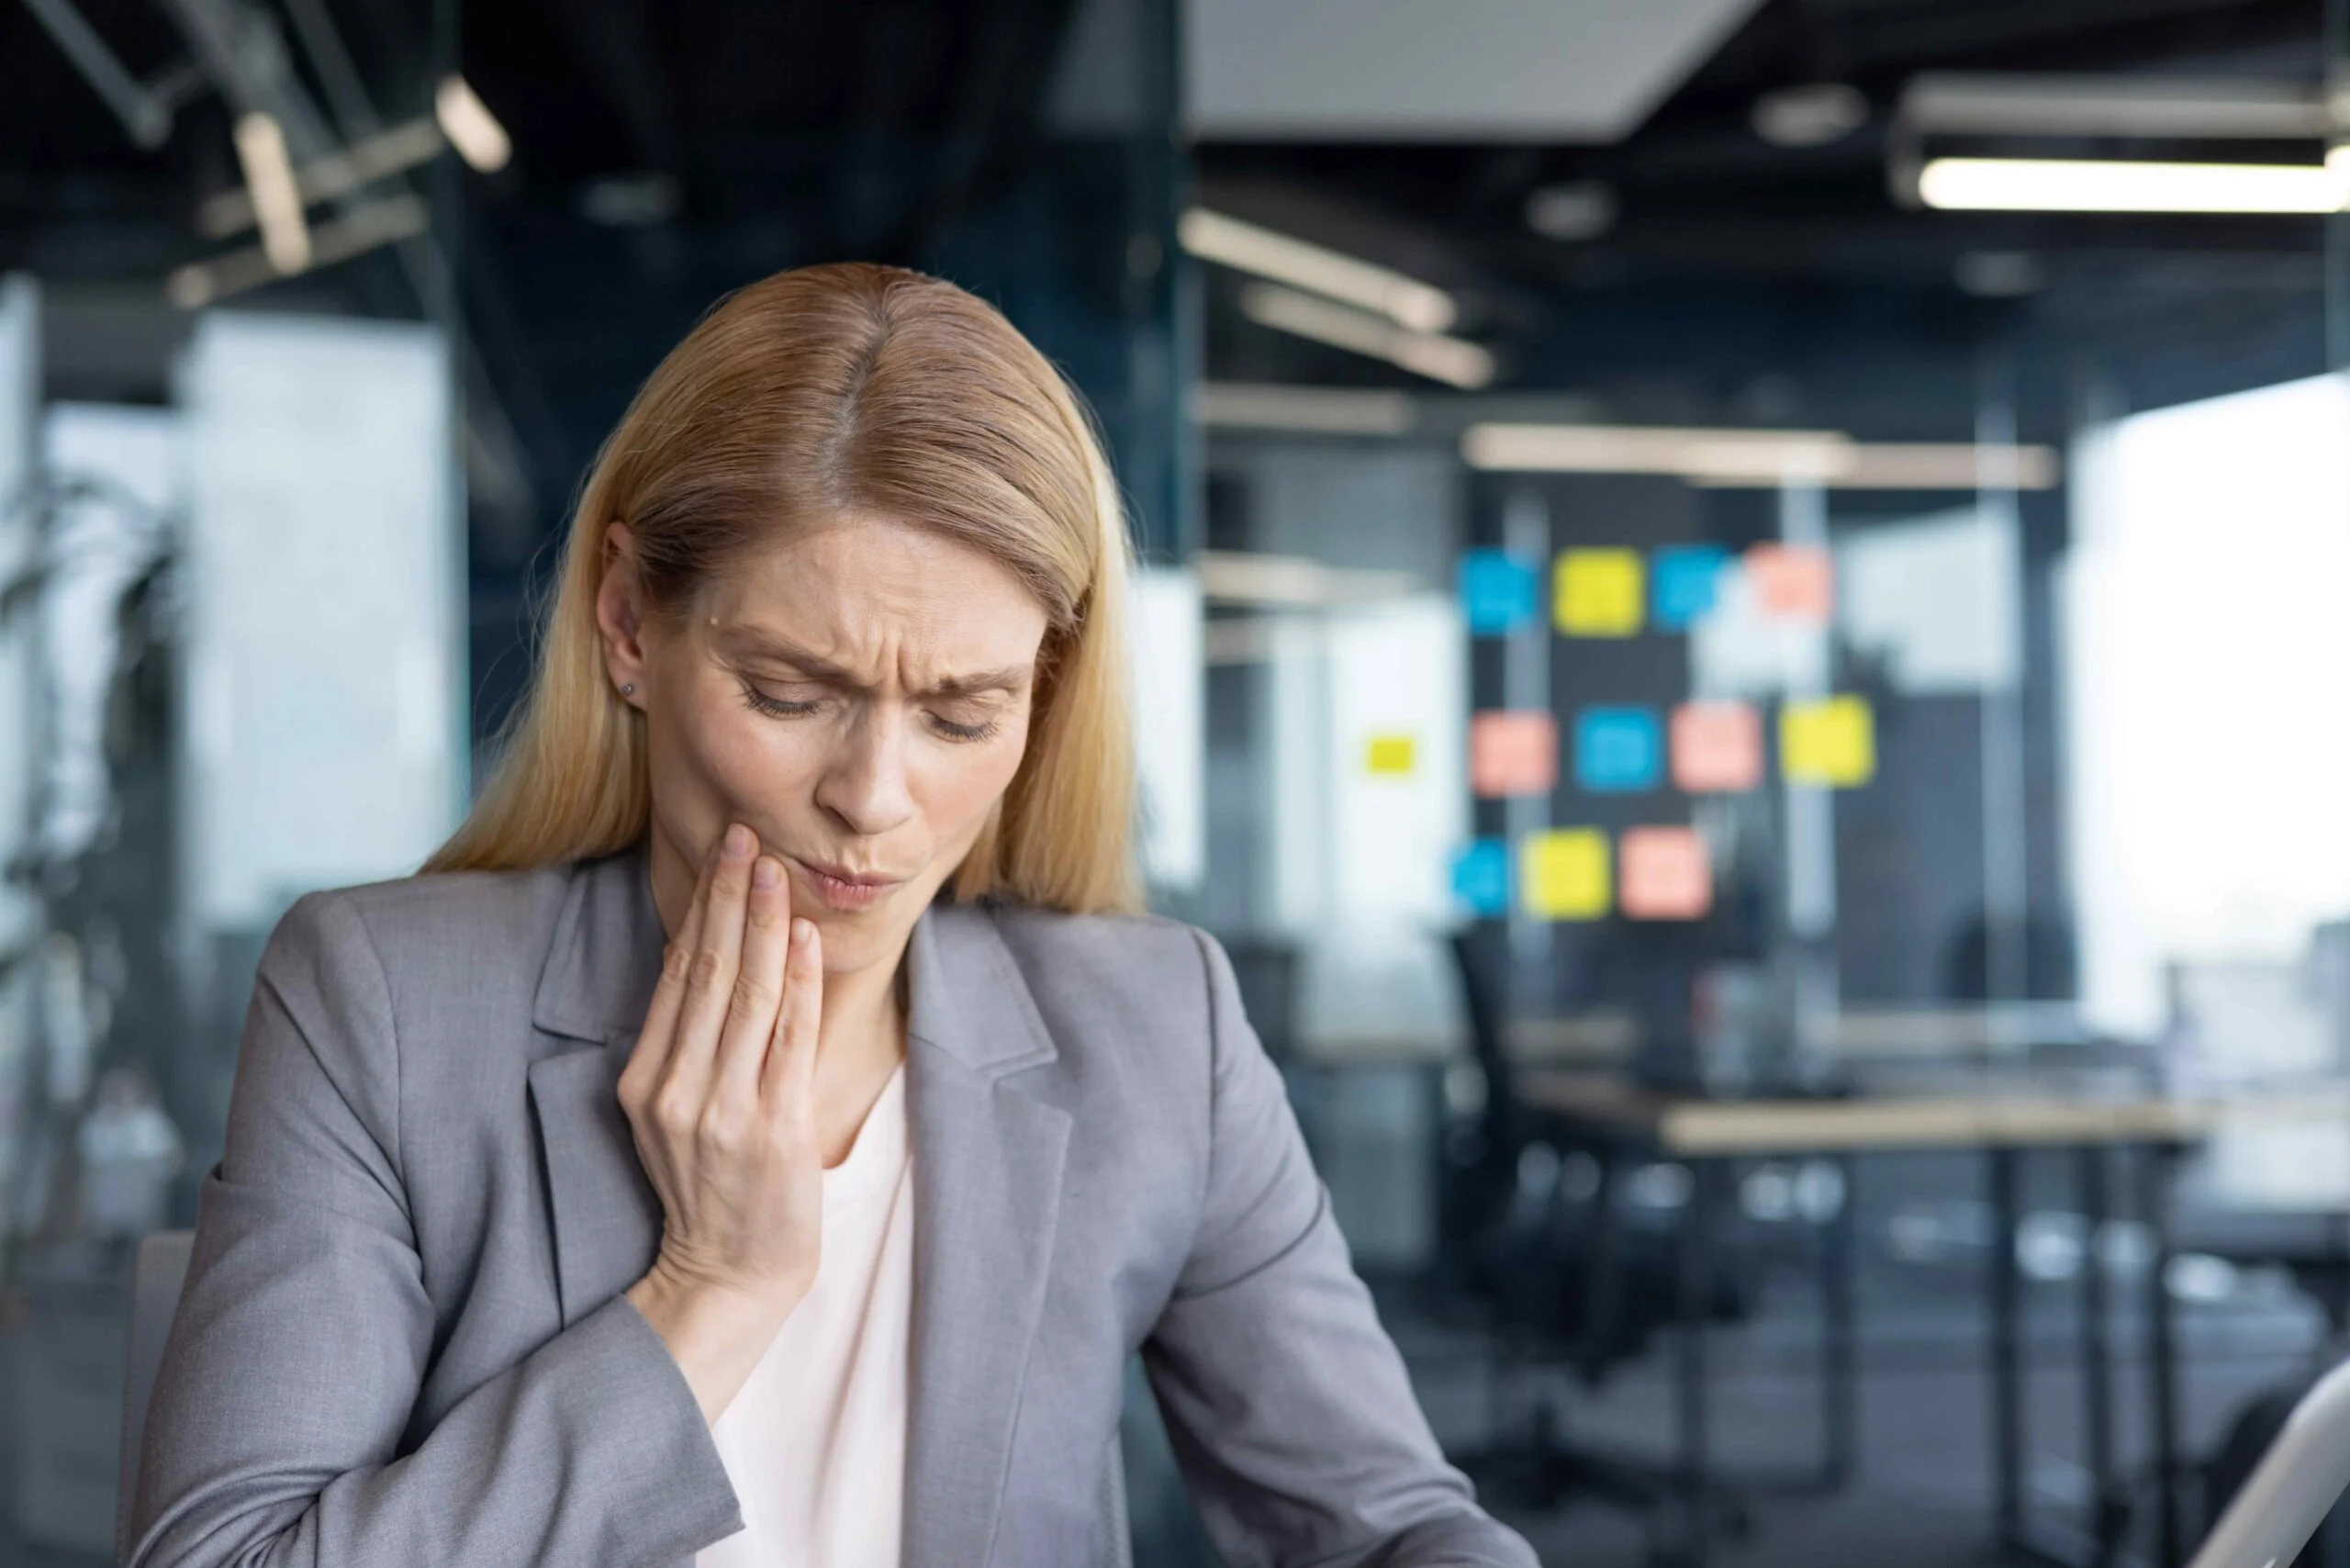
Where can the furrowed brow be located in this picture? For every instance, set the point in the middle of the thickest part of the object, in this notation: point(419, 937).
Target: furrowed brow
point(1009, 679)
point(768, 645)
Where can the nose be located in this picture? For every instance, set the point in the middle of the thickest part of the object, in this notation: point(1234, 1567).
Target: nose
point(864, 785)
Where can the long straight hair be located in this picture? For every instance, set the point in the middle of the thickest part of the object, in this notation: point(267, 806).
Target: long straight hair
point(819, 395)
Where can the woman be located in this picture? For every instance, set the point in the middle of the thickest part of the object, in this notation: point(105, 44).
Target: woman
point(667, 1175)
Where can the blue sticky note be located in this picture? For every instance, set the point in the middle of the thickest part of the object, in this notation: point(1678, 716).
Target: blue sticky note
point(1499, 593)
point(1619, 750)
point(1683, 582)
point(1481, 877)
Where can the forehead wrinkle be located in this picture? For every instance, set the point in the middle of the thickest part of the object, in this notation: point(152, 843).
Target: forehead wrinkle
point(759, 642)
point(861, 602)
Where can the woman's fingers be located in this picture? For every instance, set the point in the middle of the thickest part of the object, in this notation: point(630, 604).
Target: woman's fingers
point(759, 986)
point(789, 1080)
point(710, 972)
point(651, 1053)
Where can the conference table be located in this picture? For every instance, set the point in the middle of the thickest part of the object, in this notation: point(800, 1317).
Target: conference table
point(2006, 1118)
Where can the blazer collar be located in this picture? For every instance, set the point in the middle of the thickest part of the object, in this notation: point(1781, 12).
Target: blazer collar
point(967, 996)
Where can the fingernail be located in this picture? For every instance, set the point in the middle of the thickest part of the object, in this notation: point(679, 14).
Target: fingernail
point(738, 842)
point(766, 874)
point(802, 931)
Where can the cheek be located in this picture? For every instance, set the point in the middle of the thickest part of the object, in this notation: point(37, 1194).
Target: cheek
point(717, 747)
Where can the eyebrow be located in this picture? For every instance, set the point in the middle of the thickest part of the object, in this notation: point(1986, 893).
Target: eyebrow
point(815, 666)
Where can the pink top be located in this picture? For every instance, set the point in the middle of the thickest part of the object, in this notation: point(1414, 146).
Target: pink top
point(815, 1443)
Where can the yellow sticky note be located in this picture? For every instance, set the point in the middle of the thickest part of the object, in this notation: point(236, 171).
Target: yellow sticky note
point(1831, 740)
point(1390, 754)
point(1564, 874)
point(1599, 593)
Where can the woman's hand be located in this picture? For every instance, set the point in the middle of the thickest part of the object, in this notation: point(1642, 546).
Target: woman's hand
point(720, 1095)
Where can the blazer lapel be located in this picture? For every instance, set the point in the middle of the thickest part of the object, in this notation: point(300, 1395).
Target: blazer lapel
point(597, 980)
point(987, 1168)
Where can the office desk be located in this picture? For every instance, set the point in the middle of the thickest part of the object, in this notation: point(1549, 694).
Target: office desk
point(2004, 1120)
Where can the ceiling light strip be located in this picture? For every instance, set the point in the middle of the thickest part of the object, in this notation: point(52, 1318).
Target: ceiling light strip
point(2117, 184)
point(378, 157)
point(1409, 303)
point(1454, 360)
point(269, 181)
point(1746, 459)
point(1313, 410)
point(472, 129)
point(379, 223)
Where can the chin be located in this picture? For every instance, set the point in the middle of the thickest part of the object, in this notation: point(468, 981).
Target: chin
point(850, 940)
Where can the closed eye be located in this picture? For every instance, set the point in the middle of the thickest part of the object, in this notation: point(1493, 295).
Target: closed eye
point(778, 706)
point(955, 732)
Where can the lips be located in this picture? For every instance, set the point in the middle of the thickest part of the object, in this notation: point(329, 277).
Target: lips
point(839, 888)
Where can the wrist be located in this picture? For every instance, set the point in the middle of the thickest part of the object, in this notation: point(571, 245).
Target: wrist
point(670, 1293)
point(716, 1333)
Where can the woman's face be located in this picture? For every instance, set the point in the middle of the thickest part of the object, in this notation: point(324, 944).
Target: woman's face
point(858, 696)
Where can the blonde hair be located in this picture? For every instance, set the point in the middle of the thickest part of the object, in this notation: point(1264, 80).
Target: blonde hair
point(821, 394)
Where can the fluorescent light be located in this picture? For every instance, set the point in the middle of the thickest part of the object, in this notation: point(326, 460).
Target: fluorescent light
point(1326, 410)
point(1739, 459)
point(337, 173)
point(269, 179)
point(2114, 185)
point(472, 129)
point(380, 223)
point(1947, 465)
point(1407, 301)
point(1250, 578)
point(1455, 360)
point(1726, 456)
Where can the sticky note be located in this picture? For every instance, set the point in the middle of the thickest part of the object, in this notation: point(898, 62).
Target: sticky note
point(1562, 874)
point(1683, 584)
point(1513, 752)
point(1391, 756)
point(1665, 874)
point(1716, 747)
point(1793, 582)
point(1481, 877)
point(1599, 593)
point(1830, 741)
point(1619, 750)
point(1499, 593)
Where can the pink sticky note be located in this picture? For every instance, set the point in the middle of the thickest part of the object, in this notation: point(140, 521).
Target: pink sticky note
point(1793, 582)
point(1513, 752)
point(1664, 874)
point(1716, 747)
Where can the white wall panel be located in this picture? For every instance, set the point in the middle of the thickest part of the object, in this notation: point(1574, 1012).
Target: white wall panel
point(1170, 737)
point(324, 666)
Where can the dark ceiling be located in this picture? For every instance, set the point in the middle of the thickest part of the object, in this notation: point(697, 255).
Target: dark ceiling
point(1739, 279)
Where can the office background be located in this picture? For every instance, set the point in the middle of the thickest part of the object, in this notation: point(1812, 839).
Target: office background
point(1743, 636)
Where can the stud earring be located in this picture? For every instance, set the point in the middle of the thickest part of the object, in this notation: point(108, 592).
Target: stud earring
point(628, 690)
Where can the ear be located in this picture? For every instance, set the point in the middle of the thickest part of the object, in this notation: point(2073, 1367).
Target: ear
point(620, 614)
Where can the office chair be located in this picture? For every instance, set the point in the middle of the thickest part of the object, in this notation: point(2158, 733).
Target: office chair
point(160, 1269)
point(1567, 1277)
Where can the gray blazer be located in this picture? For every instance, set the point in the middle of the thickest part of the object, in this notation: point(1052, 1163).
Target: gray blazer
point(402, 1343)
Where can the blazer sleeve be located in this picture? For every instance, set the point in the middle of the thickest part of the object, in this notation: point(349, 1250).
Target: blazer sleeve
point(275, 1433)
point(1287, 1405)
